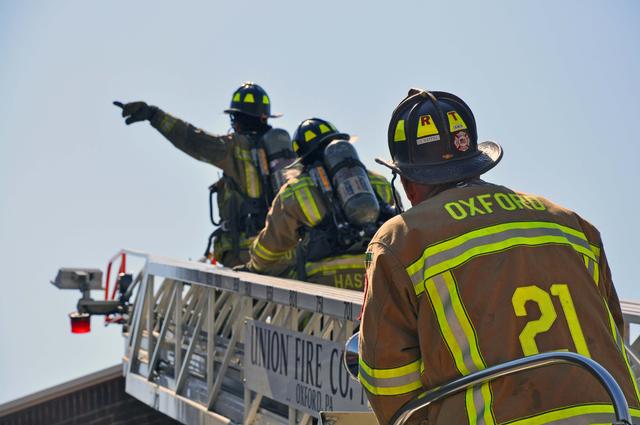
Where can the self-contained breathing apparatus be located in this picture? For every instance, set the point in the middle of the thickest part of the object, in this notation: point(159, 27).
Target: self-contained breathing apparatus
point(355, 210)
point(271, 153)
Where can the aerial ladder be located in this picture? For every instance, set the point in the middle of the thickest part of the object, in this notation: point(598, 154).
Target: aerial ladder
point(205, 344)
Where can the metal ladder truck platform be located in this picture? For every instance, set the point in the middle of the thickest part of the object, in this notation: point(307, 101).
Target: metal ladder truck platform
point(208, 345)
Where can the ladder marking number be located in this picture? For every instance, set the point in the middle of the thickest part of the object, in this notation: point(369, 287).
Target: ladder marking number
point(548, 315)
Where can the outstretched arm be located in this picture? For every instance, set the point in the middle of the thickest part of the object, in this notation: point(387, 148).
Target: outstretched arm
point(191, 140)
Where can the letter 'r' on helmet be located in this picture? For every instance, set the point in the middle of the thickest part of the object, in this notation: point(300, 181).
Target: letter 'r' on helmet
point(433, 139)
point(314, 133)
point(251, 99)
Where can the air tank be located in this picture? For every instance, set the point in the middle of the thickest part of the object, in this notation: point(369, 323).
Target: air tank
point(279, 154)
point(351, 182)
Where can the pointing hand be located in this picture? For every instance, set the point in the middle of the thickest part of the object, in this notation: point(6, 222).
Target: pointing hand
point(136, 111)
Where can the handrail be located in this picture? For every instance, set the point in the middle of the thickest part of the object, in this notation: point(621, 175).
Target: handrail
point(620, 406)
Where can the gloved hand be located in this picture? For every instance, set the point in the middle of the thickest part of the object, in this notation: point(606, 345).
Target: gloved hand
point(136, 111)
point(241, 268)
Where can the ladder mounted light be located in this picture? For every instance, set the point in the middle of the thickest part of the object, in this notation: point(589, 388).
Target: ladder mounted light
point(86, 280)
point(80, 322)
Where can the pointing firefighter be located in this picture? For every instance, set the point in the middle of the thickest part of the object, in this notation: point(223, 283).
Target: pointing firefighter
point(252, 159)
point(328, 212)
point(476, 274)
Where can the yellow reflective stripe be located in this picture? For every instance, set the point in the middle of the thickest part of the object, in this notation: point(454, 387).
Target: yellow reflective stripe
point(252, 181)
point(167, 123)
point(623, 351)
point(392, 381)
point(463, 318)
point(398, 390)
point(399, 135)
point(253, 184)
point(587, 413)
point(393, 372)
point(478, 403)
point(266, 254)
point(343, 262)
point(592, 267)
point(456, 251)
point(461, 339)
point(243, 154)
point(454, 323)
point(449, 338)
point(308, 205)
point(487, 397)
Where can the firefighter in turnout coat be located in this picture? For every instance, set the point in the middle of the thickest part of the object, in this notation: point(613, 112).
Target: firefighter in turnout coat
point(329, 251)
point(476, 274)
point(242, 193)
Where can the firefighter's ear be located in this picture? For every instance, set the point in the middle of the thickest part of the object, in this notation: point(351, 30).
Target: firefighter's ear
point(418, 192)
point(411, 189)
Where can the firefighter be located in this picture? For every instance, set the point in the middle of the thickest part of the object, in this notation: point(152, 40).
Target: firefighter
point(244, 192)
point(477, 274)
point(328, 212)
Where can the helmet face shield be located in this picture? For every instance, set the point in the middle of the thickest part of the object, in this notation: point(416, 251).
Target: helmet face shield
point(432, 139)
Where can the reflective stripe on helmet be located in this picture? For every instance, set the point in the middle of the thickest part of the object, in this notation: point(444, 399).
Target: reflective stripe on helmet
point(393, 381)
point(399, 135)
point(309, 135)
point(454, 252)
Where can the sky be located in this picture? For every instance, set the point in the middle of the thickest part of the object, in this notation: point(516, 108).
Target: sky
point(555, 83)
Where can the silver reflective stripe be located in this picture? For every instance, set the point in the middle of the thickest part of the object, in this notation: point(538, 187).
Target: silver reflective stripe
point(307, 203)
point(454, 323)
point(397, 381)
point(518, 235)
point(478, 401)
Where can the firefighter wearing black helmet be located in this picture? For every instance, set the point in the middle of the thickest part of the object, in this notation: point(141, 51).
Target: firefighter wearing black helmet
point(328, 211)
point(245, 191)
point(477, 274)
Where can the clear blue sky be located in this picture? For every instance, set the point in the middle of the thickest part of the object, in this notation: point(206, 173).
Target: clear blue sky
point(554, 82)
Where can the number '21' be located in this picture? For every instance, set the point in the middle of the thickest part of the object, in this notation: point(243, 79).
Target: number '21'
point(548, 316)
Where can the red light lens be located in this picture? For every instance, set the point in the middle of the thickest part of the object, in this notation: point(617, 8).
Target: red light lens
point(80, 323)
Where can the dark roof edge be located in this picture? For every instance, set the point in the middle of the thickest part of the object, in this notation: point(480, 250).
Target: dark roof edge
point(60, 390)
